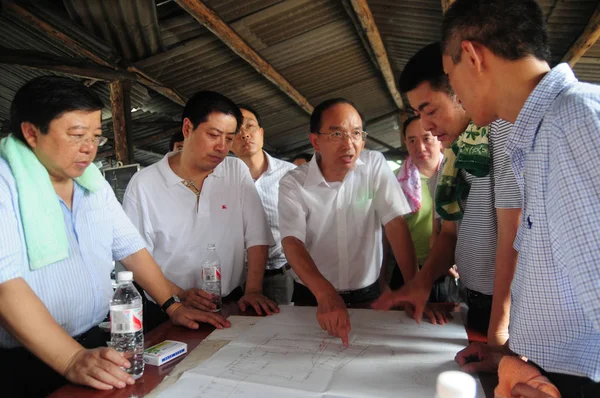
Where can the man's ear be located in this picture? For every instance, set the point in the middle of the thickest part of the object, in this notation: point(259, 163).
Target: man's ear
point(30, 132)
point(314, 141)
point(472, 54)
point(187, 128)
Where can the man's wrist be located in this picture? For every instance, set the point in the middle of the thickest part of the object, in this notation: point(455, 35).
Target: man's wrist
point(172, 308)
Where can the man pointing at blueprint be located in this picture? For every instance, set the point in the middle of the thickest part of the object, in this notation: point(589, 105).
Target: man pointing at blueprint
point(331, 214)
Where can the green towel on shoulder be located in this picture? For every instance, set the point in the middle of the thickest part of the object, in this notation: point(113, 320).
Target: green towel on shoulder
point(470, 152)
point(41, 214)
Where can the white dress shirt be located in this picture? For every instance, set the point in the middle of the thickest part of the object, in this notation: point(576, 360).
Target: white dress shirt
point(229, 214)
point(267, 186)
point(340, 223)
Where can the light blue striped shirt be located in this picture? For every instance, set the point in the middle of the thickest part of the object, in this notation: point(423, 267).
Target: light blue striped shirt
point(76, 290)
point(267, 186)
point(554, 147)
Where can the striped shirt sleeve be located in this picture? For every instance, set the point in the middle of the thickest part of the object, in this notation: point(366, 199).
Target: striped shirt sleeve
point(11, 250)
point(506, 191)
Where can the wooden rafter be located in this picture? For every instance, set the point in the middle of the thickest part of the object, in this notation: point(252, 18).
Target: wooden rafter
point(587, 39)
point(74, 45)
point(69, 66)
point(361, 33)
point(446, 4)
point(118, 100)
point(367, 22)
point(209, 19)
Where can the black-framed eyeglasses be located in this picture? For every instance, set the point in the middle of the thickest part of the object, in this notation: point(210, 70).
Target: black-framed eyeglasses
point(336, 136)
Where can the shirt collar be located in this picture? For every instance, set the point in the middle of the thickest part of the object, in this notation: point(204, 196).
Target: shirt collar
point(172, 179)
point(270, 162)
point(314, 177)
point(539, 101)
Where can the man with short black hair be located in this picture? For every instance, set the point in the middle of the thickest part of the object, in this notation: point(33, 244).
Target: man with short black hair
point(476, 196)
point(331, 213)
point(200, 196)
point(60, 229)
point(266, 171)
point(496, 56)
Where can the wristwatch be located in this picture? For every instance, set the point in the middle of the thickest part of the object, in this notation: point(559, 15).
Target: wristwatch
point(174, 299)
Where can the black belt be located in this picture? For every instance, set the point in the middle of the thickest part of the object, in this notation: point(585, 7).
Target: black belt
point(475, 299)
point(364, 294)
point(277, 271)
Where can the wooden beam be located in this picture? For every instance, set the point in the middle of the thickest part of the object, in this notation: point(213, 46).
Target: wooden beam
point(446, 4)
point(69, 66)
point(586, 40)
point(209, 19)
point(78, 48)
point(364, 15)
point(118, 100)
point(360, 31)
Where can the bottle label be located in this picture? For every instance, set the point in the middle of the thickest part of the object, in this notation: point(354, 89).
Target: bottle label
point(211, 274)
point(126, 321)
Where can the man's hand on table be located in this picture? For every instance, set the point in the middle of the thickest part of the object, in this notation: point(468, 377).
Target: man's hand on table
point(198, 298)
point(413, 295)
point(333, 316)
point(259, 302)
point(480, 357)
point(99, 368)
point(189, 317)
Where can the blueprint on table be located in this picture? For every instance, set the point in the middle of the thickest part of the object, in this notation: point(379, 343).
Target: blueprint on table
point(288, 355)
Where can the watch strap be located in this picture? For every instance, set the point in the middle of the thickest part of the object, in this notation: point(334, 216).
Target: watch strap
point(172, 300)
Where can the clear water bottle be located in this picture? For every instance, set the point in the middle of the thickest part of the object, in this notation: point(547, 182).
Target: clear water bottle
point(455, 384)
point(211, 276)
point(126, 323)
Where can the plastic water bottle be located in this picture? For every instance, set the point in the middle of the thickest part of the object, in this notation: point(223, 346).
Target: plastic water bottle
point(455, 384)
point(126, 323)
point(211, 276)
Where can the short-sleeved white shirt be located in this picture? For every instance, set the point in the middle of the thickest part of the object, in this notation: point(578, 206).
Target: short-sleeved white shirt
point(229, 214)
point(340, 223)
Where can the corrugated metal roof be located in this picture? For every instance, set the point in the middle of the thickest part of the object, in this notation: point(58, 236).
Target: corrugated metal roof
point(131, 26)
point(406, 27)
point(312, 43)
point(566, 21)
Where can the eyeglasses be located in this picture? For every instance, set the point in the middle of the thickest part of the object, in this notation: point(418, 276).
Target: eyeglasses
point(250, 129)
point(97, 140)
point(336, 136)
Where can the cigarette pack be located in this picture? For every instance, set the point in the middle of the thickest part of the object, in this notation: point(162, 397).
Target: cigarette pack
point(164, 352)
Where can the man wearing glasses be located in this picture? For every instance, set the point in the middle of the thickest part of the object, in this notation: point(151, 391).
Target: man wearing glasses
point(331, 212)
point(60, 229)
point(266, 172)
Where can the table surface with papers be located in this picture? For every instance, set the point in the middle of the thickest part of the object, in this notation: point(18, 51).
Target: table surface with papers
point(154, 375)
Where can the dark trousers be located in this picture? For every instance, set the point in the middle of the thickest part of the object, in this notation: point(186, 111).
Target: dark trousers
point(572, 386)
point(439, 293)
point(302, 295)
point(154, 316)
point(22, 374)
point(480, 310)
